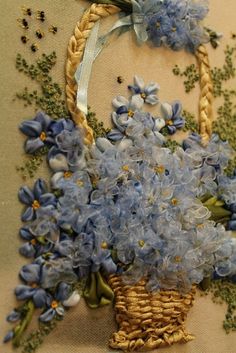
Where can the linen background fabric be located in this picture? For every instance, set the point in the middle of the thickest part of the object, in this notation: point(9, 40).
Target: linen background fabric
point(84, 330)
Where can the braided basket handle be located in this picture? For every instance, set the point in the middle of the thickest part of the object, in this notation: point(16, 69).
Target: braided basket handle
point(75, 55)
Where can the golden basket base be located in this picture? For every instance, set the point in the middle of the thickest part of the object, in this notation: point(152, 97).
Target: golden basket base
point(148, 320)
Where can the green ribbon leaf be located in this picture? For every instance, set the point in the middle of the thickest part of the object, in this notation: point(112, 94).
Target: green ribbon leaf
point(97, 292)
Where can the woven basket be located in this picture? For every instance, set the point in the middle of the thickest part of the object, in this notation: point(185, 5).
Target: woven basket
point(145, 320)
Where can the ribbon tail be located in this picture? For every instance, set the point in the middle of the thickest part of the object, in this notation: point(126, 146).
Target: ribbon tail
point(83, 72)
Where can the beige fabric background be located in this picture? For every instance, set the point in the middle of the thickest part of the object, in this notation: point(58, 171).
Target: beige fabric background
point(84, 330)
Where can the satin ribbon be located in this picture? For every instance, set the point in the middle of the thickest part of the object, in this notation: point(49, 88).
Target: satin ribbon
point(83, 72)
point(97, 292)
point(94, 44)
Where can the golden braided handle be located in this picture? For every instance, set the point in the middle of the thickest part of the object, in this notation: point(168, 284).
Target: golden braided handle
point(75, 55)
point(206, 96)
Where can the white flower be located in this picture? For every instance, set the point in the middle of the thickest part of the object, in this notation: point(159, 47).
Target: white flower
point(72, 300)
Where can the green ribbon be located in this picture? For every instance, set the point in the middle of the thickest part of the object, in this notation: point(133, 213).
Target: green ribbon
point(219, 213)
point(22, 326)
point(97, 292)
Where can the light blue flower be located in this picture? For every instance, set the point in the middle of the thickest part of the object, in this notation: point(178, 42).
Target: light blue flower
point(172, 116)
point(125, 110)
point(147, 92)
point(177, 25)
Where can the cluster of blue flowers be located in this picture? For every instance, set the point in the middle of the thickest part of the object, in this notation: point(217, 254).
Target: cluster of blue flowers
point(124, 205)
point(172, 23)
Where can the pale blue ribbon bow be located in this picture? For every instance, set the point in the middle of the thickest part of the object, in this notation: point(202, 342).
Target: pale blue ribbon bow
point(94, 45)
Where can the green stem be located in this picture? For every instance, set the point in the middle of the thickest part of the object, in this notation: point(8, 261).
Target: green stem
point(20, 329)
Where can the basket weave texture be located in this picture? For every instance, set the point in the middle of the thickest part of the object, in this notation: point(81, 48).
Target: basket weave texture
point(149, 320)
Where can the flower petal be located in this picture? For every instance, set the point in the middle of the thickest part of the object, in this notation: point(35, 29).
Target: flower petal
point(151, 88)
point(40, 187)
point(60, 311)
point(43, 120)
point(47, 315)
point(31, 128)
point(24, 292)
point(62, 124)
point(166, 109)
point(58, 163)
point(13, 316)
point(115, 119)
point(30, 273)
point(40, 298)
point(136, 102)
point(26, 196)
point(33, 145)
point(28, 215)
point(55, 179)
point(115, 135)
point(25, 233)
point(27, 250)
point(72, 300)
point(176, 108)
point(152, 99)
point(159, 124)
point(119, 101)
point(47, 200)
point(138, 81)
point(8, 336)
point(103, 144)
point(63, 291)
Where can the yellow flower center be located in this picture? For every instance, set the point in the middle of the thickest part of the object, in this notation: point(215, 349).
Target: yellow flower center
point(34, 285)
point(200, 226)
point(174, 202)
point(130, 113)
point(160, 169)
point(79, 182)
point(143, 95)
point(33, 241)
point(169, 122)
point(173, 29)
point(104, 245)
point(151, 200)
point(177, 259)
point(43, 136)
point(141, 243)
point(35, 204)
point(67, 174)
point(158, 25)
point(125, 168)
point(54, 304)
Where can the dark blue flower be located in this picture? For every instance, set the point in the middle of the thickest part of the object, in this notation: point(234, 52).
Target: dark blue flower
point(54, 306)
point(34, 245)
point(34, 199)
point(38, 131)
point(62, 124)
point(31, 274)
